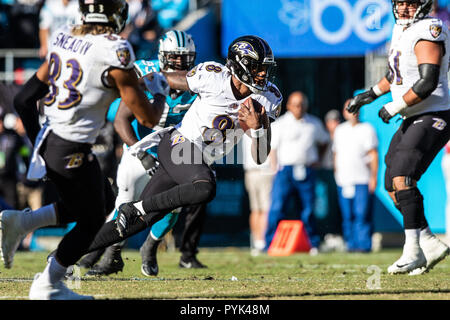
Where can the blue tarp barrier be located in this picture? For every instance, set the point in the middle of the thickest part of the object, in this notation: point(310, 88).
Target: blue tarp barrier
point(310, 28)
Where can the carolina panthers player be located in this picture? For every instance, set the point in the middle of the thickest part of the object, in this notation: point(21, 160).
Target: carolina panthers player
point(208, 131)
point(417, 78)
point(88, 66)
point(176, 52)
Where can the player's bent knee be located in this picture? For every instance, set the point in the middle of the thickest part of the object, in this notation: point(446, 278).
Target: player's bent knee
point(403, 183)
point(408, 195)
point(205, 191)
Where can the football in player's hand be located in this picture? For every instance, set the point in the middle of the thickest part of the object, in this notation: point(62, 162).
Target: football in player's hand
point(258, 108)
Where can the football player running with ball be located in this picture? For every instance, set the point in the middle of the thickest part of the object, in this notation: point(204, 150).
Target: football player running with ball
point(417, 79)
point(209, 130)
point(88, 67)
point(176, 52)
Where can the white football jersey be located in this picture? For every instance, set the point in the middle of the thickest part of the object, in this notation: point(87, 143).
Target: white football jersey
point(79, 98)
point(403, 64)
point(212, 121)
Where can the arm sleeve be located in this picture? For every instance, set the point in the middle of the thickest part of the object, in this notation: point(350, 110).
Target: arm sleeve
point(431, 30)
point(119, 53)
point(205, 78)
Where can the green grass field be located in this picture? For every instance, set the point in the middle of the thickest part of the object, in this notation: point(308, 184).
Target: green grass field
point(337, 276)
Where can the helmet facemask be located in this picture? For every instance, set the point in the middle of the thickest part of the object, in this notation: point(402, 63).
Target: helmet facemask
point(423, 9)
point(247, 70)
point(173, 60)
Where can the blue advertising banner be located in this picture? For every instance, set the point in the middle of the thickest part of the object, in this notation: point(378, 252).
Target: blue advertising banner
point(310, 28)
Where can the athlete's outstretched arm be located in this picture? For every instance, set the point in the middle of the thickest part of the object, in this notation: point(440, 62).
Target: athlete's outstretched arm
point(124, 118)
point(134, 97)
point(177, 80)
point(25, 101)
point(382, 87)
point(122, 124)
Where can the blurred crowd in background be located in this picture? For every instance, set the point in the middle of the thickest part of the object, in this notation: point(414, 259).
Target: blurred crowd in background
point(23, 23)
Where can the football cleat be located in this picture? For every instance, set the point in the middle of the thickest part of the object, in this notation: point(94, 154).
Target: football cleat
point(148, 252)
point(43, 290)
point(191, 263)
point(412, 258)
point(435, 251)
point(11, 233)
point(150, 268)
point(109, 264)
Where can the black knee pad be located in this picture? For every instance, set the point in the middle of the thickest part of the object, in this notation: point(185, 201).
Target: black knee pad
point(408, 195)
point(204, 191)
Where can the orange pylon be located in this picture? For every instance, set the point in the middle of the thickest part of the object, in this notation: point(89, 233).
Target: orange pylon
point(290, 237)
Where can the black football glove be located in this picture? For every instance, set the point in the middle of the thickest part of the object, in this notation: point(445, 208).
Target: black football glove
point(360, 100)
point(384, 115)
point(149, 163)
point(390, 109)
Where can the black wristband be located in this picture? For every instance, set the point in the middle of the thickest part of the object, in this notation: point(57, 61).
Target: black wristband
point(372, 94)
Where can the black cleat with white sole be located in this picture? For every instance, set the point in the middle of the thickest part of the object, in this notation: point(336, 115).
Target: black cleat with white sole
point(150, 268)
point(191, 263)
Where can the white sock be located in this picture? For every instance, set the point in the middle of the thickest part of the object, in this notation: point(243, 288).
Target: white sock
point(412, 236)
point(42, 217)
point(426, 234)
point(260, 244)
point(53, 272)
point(139, 206)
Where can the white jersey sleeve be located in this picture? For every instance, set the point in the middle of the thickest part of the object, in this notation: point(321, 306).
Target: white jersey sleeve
point(118, 52)
point(206, 79)
point(430, 30)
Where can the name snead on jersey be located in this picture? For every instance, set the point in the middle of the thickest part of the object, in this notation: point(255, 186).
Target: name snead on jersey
point(77, 65)
point(403, 64)
point(215, 111)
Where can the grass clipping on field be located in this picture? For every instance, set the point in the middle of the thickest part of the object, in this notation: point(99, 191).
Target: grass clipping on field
point(234, 274)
